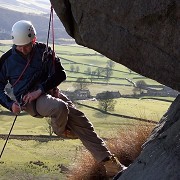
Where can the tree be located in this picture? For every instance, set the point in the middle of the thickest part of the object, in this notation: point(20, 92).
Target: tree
point(88, 71)
point(108, 73)
point(110, 64)
point(106, 102)
point(77, 69)
point(81, 83)
point(108, 70)
point(99, 71)
point(72, 68)
point(49, 128)
point(140, 85)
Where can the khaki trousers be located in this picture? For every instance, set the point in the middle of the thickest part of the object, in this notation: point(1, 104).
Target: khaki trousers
point(64, 114)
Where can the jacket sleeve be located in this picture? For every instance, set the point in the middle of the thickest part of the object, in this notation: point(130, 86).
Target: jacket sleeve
point(5, 100)
point(56, 75)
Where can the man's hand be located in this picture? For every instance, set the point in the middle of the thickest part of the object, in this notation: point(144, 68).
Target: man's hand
point(63, 97)
point(16, 109)
point(55, 92)
point(28, 98)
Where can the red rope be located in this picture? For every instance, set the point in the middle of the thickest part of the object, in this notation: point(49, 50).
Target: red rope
point(29, 60)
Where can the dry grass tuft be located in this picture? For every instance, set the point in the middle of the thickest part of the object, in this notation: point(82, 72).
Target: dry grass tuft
point(86, 168)
point(126, 146)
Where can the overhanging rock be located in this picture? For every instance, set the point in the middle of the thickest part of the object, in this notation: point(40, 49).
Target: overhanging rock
point(142, 35)
point(145, 37)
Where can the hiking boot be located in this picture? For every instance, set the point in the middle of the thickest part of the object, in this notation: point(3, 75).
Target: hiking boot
point(68, 134)
point(113, 166)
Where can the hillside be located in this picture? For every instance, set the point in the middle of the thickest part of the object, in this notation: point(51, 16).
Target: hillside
point(32, 6)
point(40, 21)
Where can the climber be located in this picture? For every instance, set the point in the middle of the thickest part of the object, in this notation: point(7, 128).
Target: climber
point(34, 75)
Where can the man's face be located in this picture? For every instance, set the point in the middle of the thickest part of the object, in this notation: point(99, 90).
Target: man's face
point(25, 49)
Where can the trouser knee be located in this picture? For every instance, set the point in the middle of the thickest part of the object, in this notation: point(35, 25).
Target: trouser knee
point(59, 118)
point(56, 109)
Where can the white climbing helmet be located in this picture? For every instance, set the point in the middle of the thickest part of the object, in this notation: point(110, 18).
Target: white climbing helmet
point(23, 32)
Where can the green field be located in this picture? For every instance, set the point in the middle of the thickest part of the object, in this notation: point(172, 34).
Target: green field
point(20, 157)
point(33, 159)
point(86, 58)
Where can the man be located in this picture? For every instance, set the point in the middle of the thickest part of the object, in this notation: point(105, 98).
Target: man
point(34, 73)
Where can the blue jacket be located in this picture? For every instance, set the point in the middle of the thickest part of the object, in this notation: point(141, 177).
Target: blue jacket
point(39, 74)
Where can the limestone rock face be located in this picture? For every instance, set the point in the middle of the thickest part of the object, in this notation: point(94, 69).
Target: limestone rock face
point(142, 35)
